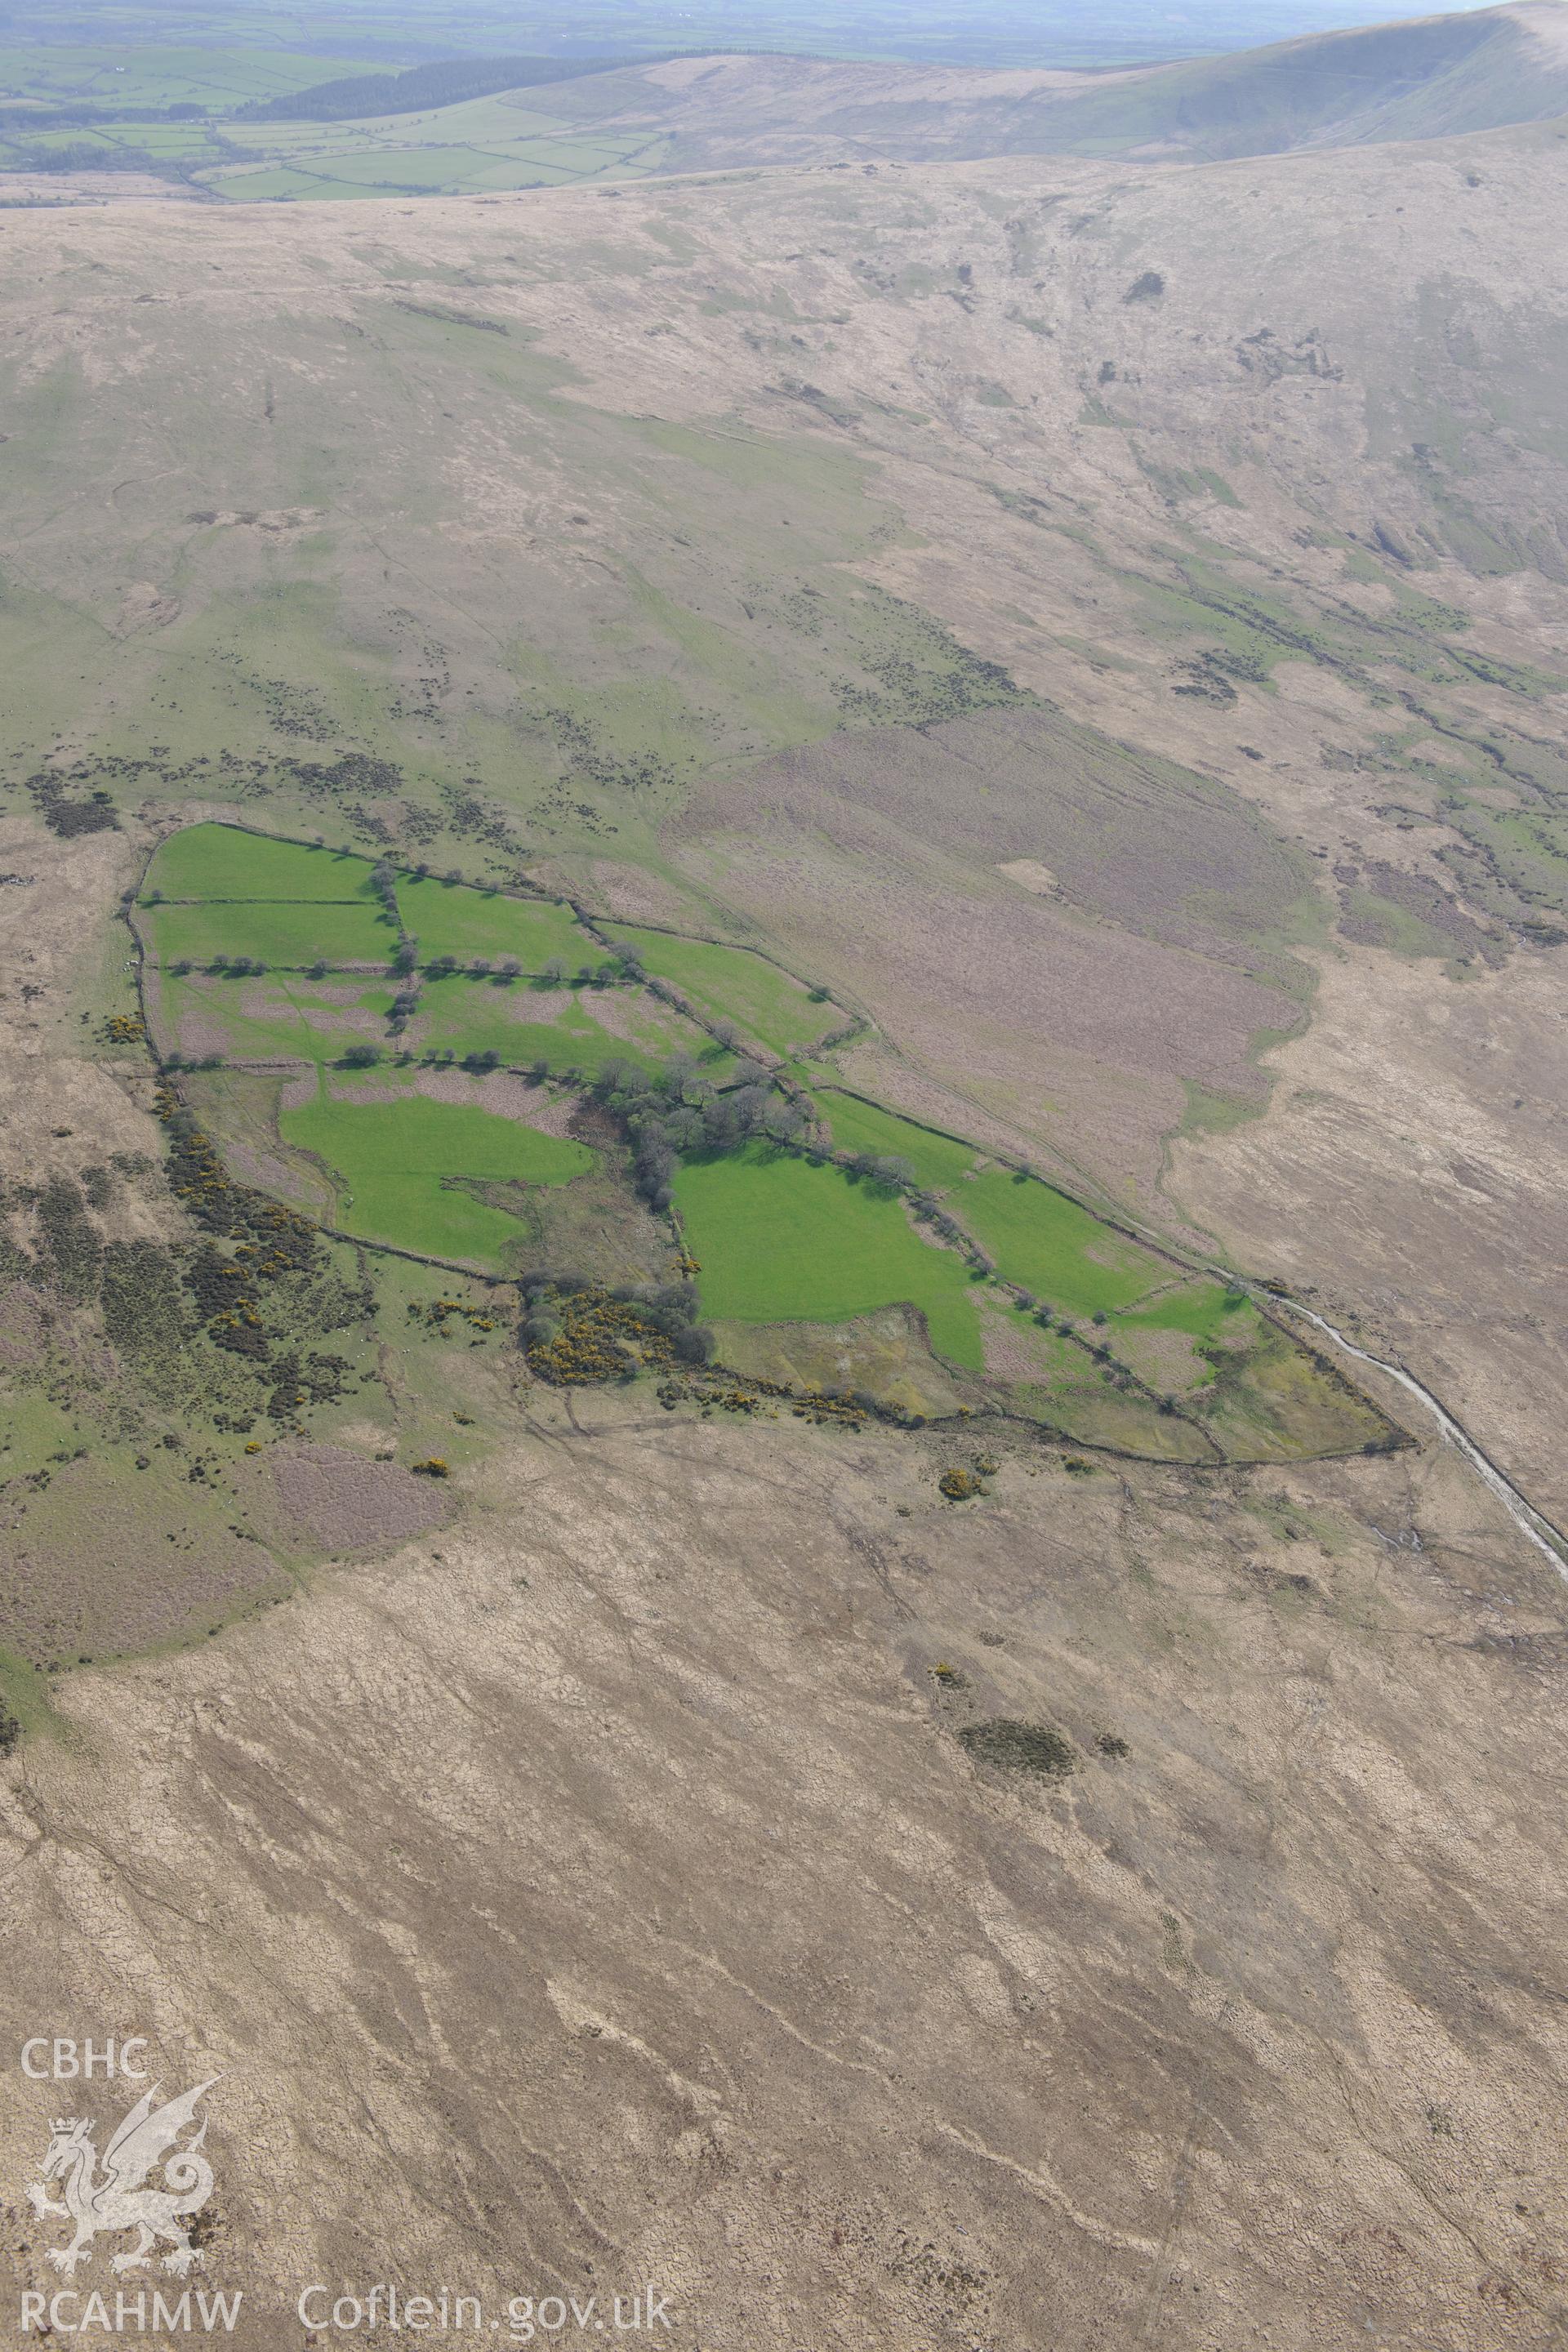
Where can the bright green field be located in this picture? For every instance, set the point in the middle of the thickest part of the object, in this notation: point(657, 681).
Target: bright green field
point(1047, 1243)
point(394, 1163)
point(727, 983)
point(780, 1241)
point(219, 861)
point(1038, 1238)
point(298, 1021)
point(938, 1161)
point(161, 138)
point(1201, 1309)
point(573, 1028)
point(452, 918)
point(297, 933)
point(272, 187)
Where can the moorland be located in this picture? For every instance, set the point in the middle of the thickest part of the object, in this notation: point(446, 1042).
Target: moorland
point(721, 889)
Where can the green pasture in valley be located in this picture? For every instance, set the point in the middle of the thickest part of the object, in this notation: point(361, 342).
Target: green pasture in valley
point(1038, 1237)
point(730, 983)
point(780, 1241)
point(400, 1168)
point(1048, 1244)
point(1202, 1310)
point(453, 918)
point(220, 861)
point(566, 1028)
point(279, 1018)
point(297, 933)
point(939, 1160)
point(473, 144)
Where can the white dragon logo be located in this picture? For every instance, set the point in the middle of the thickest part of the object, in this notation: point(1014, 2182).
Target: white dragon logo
point(117, 2201)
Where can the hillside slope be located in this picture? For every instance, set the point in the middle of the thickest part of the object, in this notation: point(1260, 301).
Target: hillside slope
point(1106, 626)
point(537, 123)
point(602, 1892)
point(1435, 77)
point(904, 449)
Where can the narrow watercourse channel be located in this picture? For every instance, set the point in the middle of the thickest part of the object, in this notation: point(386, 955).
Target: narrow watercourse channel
point(1530, 1522)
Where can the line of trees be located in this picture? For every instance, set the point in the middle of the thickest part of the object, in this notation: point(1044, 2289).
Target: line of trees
point(383, 882)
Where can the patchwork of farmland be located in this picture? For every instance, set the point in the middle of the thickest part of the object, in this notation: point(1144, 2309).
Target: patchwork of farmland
point(506, 142)
point(502, 1082)
point(481, 144)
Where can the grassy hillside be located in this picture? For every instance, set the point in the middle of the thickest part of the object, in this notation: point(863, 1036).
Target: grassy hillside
point(445, 82)
point(1430, 78)
point(871, 1739)
point(1425, 80)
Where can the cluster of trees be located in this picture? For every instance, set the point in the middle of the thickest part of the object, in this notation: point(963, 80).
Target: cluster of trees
point(883, 1168)
point(888, 1168)
point(670, 1308)
point(364, 1056)
point(624, 965)
point(676, 1109)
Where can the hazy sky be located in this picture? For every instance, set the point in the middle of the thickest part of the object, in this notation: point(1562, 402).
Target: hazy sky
point(986, 31)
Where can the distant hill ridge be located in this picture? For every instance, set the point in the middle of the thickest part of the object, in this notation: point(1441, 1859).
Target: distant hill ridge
point(1432, 77)
point(356, 98)
point(1427, 78)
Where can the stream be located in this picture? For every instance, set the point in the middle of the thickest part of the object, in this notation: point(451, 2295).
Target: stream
point(1520, 1510)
